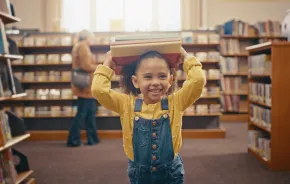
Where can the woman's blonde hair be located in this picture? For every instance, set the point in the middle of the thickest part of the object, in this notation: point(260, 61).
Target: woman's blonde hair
point(85, 35)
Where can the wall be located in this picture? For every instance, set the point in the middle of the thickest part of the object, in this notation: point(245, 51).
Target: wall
point(43, 14)
point(219, 11)
point(31, 12)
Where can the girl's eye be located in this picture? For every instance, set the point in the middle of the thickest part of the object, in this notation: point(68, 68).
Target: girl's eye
point(163, 76)
point(147, 77)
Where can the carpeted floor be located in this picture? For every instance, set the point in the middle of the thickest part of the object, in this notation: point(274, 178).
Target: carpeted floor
point(217, 161)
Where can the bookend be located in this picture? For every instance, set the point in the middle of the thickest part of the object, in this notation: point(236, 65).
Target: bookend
point(16, 124)
point(20, 161)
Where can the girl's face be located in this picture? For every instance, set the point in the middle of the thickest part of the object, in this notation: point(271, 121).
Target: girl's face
point(153, 79)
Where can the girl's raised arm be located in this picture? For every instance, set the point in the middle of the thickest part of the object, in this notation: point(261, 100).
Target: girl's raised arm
point(193, 85)
point(101, 87)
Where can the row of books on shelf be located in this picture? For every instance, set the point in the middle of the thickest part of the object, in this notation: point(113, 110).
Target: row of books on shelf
point(203, 109)
point(260, 64)
point(46, 94)
point(260, 92)
point(200, 38)
point(200, 56)
point(233, 65)
point(4, 48)
point(31, 111)
point(260, 116)
point(5, 78)
point(210, 91)
point(56, 110)
point(234, 85)
point(269, 28)
point(264, 40)
point(233, 103)
point(241, 28)
point(234, 46)
point(205, 56)
point(210, 74)
point(8, 173)
point(238, 27)
point(44, 76)
point(45, 59)
point(260, 143)
point(68, 40)
point(5, 131)
point(48, 40)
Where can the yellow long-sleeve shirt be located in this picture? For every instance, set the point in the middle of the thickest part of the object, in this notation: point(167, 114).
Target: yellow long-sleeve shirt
point(123, 104)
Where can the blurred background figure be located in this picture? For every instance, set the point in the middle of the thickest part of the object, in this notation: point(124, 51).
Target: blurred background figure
point(86, 105)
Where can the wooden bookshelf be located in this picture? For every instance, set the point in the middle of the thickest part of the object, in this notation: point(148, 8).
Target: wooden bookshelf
point(45, 64)
point(242, 40)
point(7, 19)
point(14, 141)
point(13, 97)
point(6, 136)
point(9, 56)
point(110, 120)
point(30, 181)
point(279, 109)
point(23, 176)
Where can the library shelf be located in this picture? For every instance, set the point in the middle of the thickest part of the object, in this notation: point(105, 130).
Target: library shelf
point(30, 181)
point(200, 45)
point(10, 56)
point(234, 55)
point(6, 145)
point(211, 120)
point(13, 96)
point(258, 157)
point(278, 112)
point(44, 64)
point(260, 103)
point(71, 99)
point(235, 93)
point(45, 81)
point(13, 141)
point(233, 118)
point(236, 74)
point(209, 62)
point(22, 176)
point(186, 133)
point(98, 115)
point(245, 37)
point(260, 127)
point(7, 19)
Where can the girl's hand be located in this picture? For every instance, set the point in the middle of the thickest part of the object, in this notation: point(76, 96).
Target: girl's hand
point(183, 55)
point(109, 61)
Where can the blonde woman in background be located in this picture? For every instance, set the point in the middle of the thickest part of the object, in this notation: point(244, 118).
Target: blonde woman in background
point(86, 104)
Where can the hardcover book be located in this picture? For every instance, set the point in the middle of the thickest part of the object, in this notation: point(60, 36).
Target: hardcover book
point(128, 48)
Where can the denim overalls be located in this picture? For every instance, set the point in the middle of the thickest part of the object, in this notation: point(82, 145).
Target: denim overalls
point(153, 151)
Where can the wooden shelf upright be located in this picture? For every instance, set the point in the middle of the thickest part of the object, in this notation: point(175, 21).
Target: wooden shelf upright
point(274, 124)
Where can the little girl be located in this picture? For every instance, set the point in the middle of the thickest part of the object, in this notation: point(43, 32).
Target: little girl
point(151, 125)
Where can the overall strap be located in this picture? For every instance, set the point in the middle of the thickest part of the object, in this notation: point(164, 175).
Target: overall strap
point(138, 105)
point(164, 104)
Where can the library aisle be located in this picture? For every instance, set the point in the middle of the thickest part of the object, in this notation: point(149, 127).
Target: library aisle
point(206, 161)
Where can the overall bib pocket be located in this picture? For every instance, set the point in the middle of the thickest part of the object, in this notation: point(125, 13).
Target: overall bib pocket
point(143, 136)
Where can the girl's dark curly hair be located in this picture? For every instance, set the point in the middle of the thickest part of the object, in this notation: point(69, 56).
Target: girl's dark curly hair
point(129, 70)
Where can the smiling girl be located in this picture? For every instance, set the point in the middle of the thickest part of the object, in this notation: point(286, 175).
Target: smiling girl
point(151, 124)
